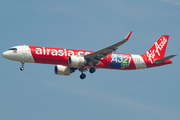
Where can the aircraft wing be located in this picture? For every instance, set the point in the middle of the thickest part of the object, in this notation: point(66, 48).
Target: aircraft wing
point(97, 55)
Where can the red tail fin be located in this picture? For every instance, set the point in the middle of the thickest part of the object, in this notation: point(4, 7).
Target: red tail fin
point(157, 51)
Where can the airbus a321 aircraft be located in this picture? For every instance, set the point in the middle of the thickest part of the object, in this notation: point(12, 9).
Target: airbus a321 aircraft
point(66, 61)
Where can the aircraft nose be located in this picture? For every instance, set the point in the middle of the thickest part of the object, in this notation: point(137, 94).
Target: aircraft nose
point(5, 54)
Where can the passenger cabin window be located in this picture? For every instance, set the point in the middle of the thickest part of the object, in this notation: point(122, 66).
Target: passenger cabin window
point(13, 49)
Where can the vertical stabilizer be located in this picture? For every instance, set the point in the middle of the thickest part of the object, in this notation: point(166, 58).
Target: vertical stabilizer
point(158, 50)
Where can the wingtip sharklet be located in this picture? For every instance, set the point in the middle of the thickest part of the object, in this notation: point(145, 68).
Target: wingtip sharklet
point(128, 36)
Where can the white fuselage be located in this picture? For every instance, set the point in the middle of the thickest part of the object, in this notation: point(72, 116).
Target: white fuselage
point(21, 54)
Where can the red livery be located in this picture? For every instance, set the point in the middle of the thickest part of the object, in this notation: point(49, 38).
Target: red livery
point(66, 61)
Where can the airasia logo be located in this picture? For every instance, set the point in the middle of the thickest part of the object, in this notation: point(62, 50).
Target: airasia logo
point(58, 52)
point(152, 53)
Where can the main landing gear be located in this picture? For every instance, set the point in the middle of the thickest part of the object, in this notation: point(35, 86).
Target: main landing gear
point(22, 68)
point(83, 76)
point(92, 70)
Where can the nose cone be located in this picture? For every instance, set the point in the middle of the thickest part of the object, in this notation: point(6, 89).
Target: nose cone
point(5, 54)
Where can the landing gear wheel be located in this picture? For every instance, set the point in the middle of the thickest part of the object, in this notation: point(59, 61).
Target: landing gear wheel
point(22, 68)
point(22, 63)
point(92, 70)
point(82, 76)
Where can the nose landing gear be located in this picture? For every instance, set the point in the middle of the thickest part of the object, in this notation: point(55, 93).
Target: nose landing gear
point(22, 68)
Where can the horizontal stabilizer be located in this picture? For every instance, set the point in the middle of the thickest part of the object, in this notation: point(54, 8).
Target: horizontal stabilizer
point(164, 59)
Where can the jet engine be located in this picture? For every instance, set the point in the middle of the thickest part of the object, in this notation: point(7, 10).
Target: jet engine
point(76, 61)
point(63, 70)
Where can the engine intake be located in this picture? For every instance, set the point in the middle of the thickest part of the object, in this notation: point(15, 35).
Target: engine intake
point(77, 61)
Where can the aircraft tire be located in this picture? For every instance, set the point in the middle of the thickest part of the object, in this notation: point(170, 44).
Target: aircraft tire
point(92, 70)
point(22, 68)
point(82, 76)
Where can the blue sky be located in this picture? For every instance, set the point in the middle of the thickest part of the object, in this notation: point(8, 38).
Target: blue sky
point(37, 93)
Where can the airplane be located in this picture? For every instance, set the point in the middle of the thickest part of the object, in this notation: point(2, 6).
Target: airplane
point(66, 61)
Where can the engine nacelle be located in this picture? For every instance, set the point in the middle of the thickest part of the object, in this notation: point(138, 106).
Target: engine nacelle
point(77, 61)
point(62, 70)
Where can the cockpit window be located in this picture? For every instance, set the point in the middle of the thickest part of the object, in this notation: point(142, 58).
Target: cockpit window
point(13, 49)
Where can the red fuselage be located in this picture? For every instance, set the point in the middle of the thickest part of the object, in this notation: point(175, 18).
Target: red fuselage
point(59, 56)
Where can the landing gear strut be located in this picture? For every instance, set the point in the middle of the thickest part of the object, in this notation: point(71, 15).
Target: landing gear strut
point(92, 69)
point(82, 76)
point(22, 68)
